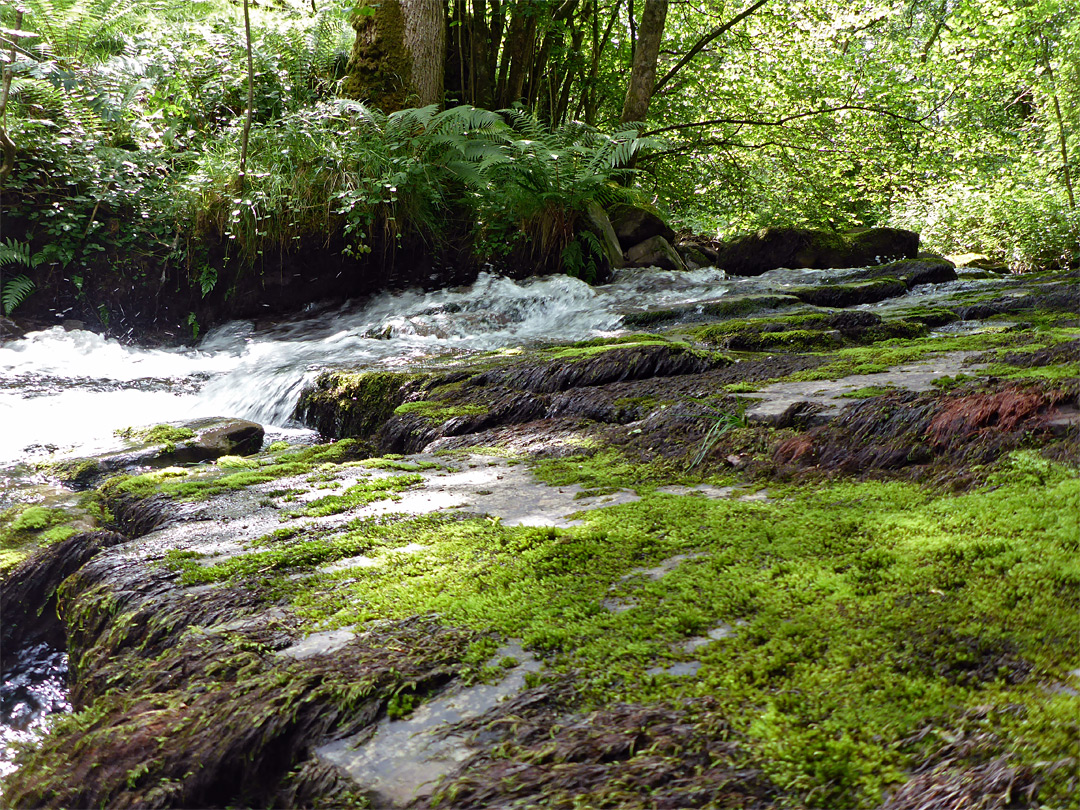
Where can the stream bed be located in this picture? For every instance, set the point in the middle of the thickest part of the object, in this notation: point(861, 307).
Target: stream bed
point(64, 393)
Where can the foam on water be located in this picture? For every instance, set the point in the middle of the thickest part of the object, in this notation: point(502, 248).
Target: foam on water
point(68, 391)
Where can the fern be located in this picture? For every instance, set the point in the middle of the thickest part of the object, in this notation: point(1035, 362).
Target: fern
point(14, 252)
point(14, 292)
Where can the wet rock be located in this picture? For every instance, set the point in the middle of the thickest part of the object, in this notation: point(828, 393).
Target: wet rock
point(770, 248)
point(913, 272)
point(164, 445)
point(730, 306)
point(9, 330)
point(978, 261)
point(403, 760)
point(693, 256)
point(218, 437)
point(28, 592)
point(634, 225)
point(655, 251)
point(850, 295)
point(877, 246)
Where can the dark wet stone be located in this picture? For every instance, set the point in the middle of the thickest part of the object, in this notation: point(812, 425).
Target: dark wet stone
point(655, 251)
point(633, 225)
point(9, 330)
point(28, 592)
point(850, 295)
point(913, 272)
point(770, 248)
point(213, 437)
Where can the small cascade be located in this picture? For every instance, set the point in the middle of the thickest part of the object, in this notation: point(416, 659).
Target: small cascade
point(68, 391)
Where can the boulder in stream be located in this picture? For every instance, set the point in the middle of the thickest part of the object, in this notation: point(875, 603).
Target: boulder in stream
point(655, 251)
point(770, 248)
point(634, 224)
point(164, 445)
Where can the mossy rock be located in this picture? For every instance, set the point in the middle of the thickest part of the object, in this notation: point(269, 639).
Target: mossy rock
point(853, 294)
point(913, 272)
point(633, 224)
point(770, 248)
point(730, 306)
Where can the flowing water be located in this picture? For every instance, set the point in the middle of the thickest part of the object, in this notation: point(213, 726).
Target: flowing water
point(65, 393)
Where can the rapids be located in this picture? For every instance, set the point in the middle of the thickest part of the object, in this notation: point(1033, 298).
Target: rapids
point(66, 392)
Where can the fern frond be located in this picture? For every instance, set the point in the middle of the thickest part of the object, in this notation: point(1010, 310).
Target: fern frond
point(13, 251)
point(15, 292)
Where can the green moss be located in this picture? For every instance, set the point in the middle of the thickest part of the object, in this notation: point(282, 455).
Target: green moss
point(198, 484)
point(158, 434)
point(236, 463)
point(395, 461)
point(586, 349)
point(359, 494)
point(34, 518)
point(24, 528)
point(438, 412)
point(889, 354)
point(858, 628)
point(344, 404)
point(868, 392)
point(742, 387)
point(79, 471)
point(379, 68)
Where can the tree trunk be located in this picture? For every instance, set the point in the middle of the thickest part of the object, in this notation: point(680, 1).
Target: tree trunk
point(399, 56)
point(643, 70)
point(425, 44)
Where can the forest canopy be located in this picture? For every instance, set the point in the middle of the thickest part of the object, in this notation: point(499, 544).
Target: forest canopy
point(489, 126)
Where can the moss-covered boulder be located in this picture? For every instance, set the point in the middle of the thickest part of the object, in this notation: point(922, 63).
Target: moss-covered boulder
point(770, 248)
point(853, 294)
point(634, 224)
point(656, 251)
point(163, 445)
point(913, 272)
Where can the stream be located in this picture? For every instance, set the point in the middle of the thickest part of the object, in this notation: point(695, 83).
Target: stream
point(64, 393)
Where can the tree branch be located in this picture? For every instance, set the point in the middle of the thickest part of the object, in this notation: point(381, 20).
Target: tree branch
point(705, 40)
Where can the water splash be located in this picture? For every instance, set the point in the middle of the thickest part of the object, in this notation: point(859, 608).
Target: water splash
point(68, 391)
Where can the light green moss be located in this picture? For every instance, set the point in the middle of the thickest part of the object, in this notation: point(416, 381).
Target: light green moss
point(158, 434)
point(868, 392)
point(438, 412)
point(861, 612)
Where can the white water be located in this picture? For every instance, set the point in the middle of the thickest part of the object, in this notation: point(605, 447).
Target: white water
point(64, 392)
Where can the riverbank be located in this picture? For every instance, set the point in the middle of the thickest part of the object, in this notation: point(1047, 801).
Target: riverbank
point(766, 554)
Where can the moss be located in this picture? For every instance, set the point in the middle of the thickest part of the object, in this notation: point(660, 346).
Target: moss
point(236, 463)
point(343, 404)
point(848, 295)
point(586, 349)
point(358, 494)
point(438, 412)
point(77, 472)
point(858, 629)
point(25, 528)
point(883, 356)
point(158, 434)
point(379, 67)
point(198, 484)
point(868, 392)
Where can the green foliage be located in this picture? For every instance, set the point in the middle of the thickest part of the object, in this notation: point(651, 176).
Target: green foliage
point(1026, 228)
point(15, 290)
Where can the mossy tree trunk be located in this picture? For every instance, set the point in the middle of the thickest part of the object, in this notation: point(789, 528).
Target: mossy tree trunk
point(646, 53)
point(399, 55)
